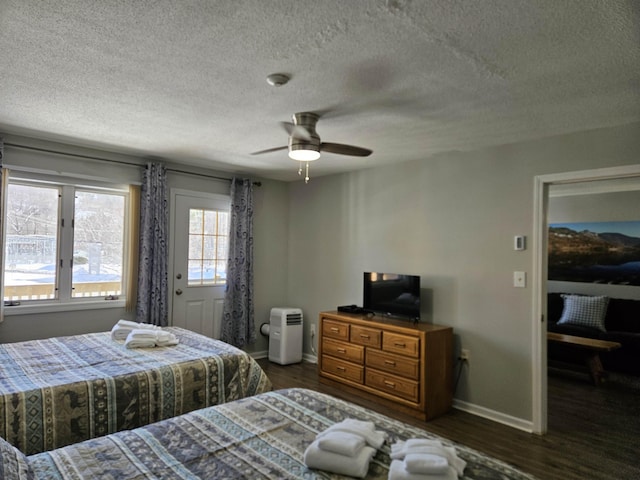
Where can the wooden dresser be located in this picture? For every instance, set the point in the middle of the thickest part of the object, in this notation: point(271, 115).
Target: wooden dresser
point(408, 366)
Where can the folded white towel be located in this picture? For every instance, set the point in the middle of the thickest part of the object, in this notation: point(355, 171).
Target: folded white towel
point(357, 466)
point(348, 444)
point(397, 471)
point(121, 330)
point(141, 338)
point(147, 338)
point(399, 450)
point(425, 463)
point(374, 438)
point(165, 339)
point(139, 343)
point(143, 333)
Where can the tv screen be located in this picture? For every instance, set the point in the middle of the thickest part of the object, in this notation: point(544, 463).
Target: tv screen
point(392, 294)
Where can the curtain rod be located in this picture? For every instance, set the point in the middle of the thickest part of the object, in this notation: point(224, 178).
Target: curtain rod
point(122, 162)
point(257, 184)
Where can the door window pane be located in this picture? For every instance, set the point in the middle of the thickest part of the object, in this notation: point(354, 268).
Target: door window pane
point(98, 246)
point(32, 243)
point(208, 246)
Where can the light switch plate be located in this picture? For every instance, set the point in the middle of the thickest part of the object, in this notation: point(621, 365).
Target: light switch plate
point(520, 279)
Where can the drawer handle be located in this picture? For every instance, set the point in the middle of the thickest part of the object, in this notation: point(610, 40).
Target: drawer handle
point(342, 369)
point(341, 350)
point(362, 335)
point(389, 362)
point(400, 345)
point(390, 384)
point(335, 329)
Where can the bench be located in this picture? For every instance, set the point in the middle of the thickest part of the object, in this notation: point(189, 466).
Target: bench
point(590, 349)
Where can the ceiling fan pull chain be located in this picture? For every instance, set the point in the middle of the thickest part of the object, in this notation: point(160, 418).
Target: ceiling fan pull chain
point(300, 169)
point(306, 178)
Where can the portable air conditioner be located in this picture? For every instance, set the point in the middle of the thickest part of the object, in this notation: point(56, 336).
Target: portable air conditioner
point(285, 335)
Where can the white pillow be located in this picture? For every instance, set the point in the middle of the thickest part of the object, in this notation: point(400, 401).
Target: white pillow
point(583, 310)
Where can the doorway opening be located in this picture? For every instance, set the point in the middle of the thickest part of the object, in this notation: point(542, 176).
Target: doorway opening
point(542, 185)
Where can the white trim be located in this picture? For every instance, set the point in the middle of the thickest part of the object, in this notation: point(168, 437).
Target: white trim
point(31, 308)
point(259, 355)
point(306, 358)
point(489, 414)
point(629, 184)
point(538, 292)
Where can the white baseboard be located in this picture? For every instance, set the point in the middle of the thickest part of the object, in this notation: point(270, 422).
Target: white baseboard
point(307, 357)
point(471, 408)
point(514, 422)
point(265, 354)
point(260, 354)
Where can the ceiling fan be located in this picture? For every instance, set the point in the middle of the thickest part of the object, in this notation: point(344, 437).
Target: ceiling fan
point(305, 145)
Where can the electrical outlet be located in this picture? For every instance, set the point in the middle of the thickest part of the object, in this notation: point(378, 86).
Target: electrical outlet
point(313, 330)
point(464, 355)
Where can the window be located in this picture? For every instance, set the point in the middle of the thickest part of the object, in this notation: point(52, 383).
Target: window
point(208, 245)
point(64, 242)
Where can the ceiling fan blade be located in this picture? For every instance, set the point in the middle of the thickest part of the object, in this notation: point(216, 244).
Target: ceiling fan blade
point(296, 131)
point(345, 149)
point(269, 150)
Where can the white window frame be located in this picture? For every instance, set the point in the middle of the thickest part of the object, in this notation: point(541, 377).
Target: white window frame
point(64, 300)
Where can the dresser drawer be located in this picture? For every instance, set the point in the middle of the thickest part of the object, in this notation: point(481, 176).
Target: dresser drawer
point(369, 337)
point(392, 384)
point(402, 344)
point(396, 364)
point(345, 351)
point(346, 370)
point(333, 329)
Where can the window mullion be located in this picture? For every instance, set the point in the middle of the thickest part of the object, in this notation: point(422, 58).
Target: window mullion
point(66, 243)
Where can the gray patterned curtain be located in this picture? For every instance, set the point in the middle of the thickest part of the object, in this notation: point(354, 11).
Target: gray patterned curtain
point(154, 233)
point(238, 327)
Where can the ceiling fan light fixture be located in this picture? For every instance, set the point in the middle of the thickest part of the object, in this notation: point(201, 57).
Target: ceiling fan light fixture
point(303, 154)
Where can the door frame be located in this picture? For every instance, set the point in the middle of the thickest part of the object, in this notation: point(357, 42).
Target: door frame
point(539, 274)
point(173, 193)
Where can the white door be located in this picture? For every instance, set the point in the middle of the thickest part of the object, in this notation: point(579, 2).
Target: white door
point(200, 233)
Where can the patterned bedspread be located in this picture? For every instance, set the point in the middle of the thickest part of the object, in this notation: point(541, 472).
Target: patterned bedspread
point(261, 437)
point(63, 390)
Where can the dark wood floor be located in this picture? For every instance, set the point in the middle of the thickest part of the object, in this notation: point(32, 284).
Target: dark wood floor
point(594, 432)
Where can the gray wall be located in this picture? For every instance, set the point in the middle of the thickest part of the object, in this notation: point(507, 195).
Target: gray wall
point(450, 219)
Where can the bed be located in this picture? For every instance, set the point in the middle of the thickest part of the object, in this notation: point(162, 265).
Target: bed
point(259, 437)
point(63, 390)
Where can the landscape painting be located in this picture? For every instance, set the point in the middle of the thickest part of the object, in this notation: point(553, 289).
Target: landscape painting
point(595, 252)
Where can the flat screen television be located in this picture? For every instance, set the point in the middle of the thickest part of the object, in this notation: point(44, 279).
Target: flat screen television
point(392, 294)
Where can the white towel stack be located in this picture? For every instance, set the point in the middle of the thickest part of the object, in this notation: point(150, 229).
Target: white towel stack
point(345, 448)
point(123, 328)
point(148, 338)
point(423, 459)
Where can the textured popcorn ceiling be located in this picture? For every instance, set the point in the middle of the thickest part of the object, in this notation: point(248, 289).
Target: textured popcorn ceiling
point(185, 80)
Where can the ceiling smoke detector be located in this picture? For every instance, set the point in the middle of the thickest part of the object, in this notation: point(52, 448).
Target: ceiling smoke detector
point(277, 79)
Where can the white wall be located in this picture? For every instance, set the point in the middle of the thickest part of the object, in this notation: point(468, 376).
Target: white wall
point(450, 219)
